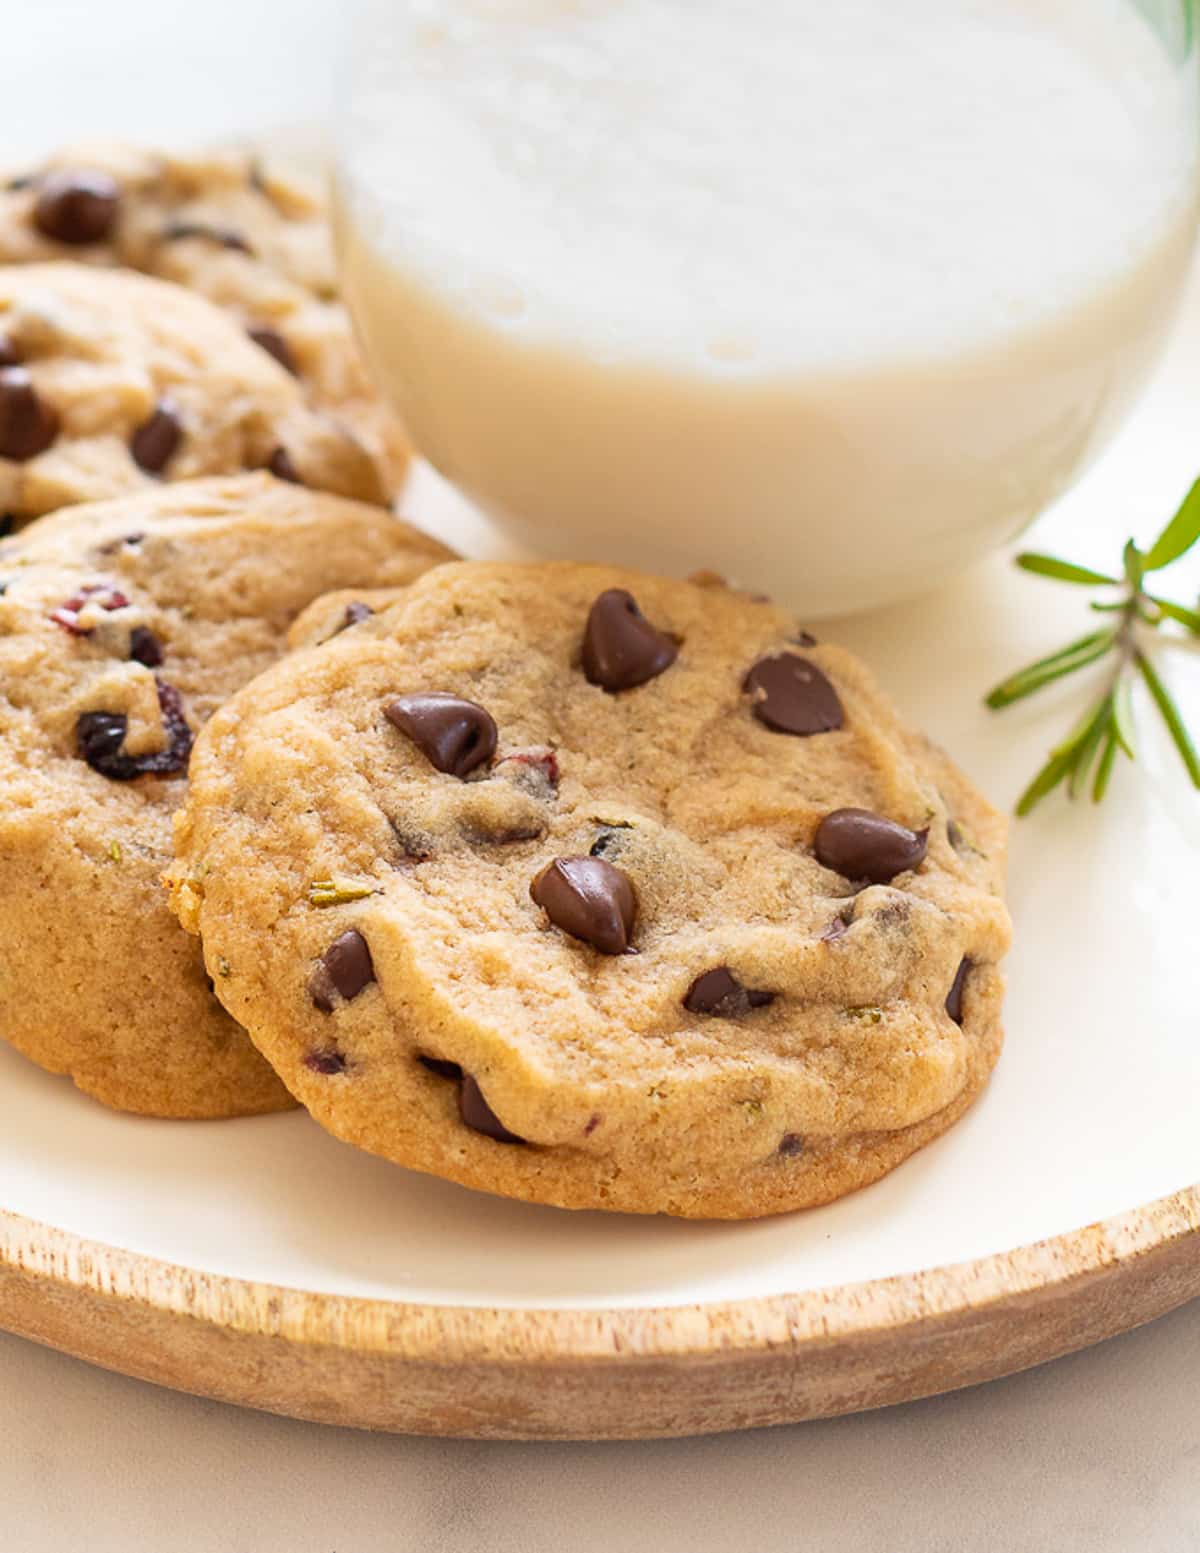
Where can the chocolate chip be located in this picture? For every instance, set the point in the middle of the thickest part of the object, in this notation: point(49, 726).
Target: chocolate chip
point(99, 736)
point(76, 207)
point(28, 425)
point(145, 647)
point(478, 1115)
point(791, 1144)
point(281, 466)
point(355, 614)
point(10, 356)
point(861, 845)
point(156, 439)
point(589, 899)
point(954, 998)
point(621, 649)
point(348, 964)
point(719, 993)
point(441, 1067)
point(325, 1061)
point(223, 236)
point(793, 696)
point(275, 345)
point(454, 735)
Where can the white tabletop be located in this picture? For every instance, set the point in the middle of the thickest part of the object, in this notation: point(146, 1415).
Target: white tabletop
point(1099, 1453)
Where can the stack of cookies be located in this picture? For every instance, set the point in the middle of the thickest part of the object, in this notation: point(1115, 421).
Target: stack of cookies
point(575, 885)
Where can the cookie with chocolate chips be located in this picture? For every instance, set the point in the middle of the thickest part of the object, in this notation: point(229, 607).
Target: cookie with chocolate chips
point(251, 239)
point(116, 382)
point(599, 890)
point(123, 625)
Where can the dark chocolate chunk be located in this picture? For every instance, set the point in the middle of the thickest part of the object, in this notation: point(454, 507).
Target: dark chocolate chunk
point(454, 735)
point(478, 1115)
point(720, 993)
point(348, 964)
point(791, 1144)
point(99, 736)
point(791, 695)
point(28, 425)
point(281, 466)
point(275, 345)
point(621, 649)
point(76, 207)
point(859, 844)
point(441, 1067)
point(10, 356)
point(155, 441)
point(589, 899)
point(322, 1060)
point(954, 998)
point(223, 236)
point(145, 647)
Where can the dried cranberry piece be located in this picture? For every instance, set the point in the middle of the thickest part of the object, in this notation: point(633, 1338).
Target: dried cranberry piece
point(101, 594)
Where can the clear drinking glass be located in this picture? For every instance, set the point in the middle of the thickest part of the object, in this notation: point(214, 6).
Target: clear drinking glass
point(830, 299)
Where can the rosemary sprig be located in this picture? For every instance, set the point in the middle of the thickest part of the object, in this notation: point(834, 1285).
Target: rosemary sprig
point(1088, 754)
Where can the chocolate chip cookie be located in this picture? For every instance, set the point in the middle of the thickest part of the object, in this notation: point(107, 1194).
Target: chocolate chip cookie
point(599, 890)
point(123, 625)
point(223, 224)
point(111, 382)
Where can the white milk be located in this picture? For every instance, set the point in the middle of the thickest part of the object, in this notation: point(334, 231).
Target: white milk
point(831, 295)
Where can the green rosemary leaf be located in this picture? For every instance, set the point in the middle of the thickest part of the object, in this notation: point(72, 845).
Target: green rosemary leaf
point(1171, 716)
point(1185, 617)
point(1180, 534)
point(1085, 753)
point(1047, 779)
point(1134, 564)
point(1063, 571)
point(1077, 655)
point(1104, 770)
point(1122, 716)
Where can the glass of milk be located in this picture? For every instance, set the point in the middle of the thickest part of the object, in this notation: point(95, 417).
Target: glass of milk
point(831, 296)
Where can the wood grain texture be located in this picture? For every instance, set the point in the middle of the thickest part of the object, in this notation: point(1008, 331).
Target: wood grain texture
point(615, 1374)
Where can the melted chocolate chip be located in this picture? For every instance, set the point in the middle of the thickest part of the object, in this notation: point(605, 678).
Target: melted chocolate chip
point(719, 993)
point(441, 1067)
point(156, 439)
point(861, 845)
point(791, 695)
point(791, 1144)
point(349, 965)
point(281, 466)
point(145, 647)
point(355, 614)
point(621, 649)
point(325, 1061)
point(223, 236)
point(99, 736)
point(454, 735)
point(954, 998)
point(76, 207)
point(478, 1115)
point(275, 345)
point(28, 425)
point(10, 356)
point(589, 899)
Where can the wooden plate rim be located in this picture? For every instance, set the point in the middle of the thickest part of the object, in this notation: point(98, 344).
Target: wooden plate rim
point(444, 1334)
